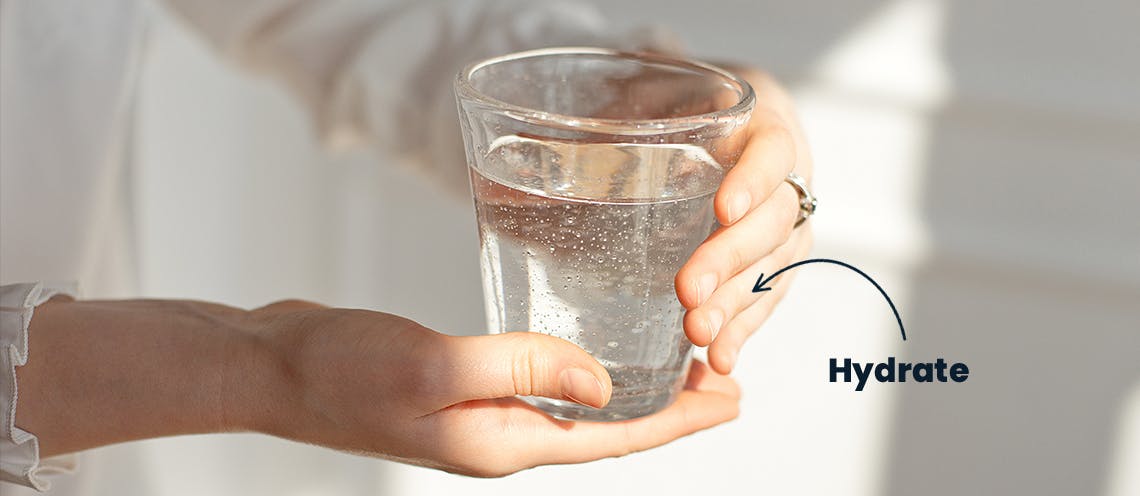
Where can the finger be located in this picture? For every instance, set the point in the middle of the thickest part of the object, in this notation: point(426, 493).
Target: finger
point(515, 435)
point(702, 324)
point(517, 363)
point(725, 350)
point(694, 410)
point(732, 249)
point(703, 378)
point(767, 159)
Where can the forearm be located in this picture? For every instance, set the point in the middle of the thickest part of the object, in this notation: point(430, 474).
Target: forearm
point(103, 372)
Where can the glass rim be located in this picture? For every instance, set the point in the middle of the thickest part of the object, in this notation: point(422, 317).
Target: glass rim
point(466, 91)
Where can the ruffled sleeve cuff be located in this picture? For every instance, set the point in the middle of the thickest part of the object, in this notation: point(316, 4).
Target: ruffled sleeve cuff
point(20, 450)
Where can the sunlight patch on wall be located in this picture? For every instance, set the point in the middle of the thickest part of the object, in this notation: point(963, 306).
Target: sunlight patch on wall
point(896, 53)
point(867, 107)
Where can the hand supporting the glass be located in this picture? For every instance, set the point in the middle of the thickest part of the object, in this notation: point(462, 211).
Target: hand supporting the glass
point(103, 372)
point(757, 210)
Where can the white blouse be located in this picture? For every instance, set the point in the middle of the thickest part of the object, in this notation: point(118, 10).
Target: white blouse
point(376, 71)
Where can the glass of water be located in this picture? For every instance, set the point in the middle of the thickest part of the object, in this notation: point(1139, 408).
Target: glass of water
point(593, 173)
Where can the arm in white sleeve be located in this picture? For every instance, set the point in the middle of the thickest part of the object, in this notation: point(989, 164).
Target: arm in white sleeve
point(19, 450)
point(381, 71)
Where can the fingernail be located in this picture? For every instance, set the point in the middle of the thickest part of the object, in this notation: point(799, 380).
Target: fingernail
point(582, 387)
point(716, 319)
point(705, 287)
point(739, 206)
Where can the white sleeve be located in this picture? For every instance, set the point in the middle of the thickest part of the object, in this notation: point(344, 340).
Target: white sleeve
point(19, 449)
point(381, 71)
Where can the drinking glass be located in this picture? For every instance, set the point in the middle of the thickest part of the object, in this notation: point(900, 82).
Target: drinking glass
point(593, 173)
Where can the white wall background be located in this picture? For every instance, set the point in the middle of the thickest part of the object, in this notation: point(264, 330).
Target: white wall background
point(981, 159)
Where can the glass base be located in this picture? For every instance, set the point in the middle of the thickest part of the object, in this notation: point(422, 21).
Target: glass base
point(619, 408)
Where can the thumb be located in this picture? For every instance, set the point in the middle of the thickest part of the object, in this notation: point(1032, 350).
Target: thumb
point(522, 363)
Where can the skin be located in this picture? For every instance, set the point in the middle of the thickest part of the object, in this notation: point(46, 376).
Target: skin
point(354, 380)
point(757, 210)
point(381, 385)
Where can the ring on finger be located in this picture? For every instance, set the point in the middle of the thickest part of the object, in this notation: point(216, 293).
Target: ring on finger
point(808, 201)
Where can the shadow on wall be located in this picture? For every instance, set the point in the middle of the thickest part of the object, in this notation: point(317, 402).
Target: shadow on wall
point(1034, 280)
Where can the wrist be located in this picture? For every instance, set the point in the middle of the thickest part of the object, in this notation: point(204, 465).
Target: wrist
point(256, 386)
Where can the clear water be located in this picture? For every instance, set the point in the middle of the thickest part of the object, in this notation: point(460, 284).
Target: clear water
point(582, 241)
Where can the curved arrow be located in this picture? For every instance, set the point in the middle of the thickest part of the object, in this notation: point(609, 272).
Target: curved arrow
point(760, 283)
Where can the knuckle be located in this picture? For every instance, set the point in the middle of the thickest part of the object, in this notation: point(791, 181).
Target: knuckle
point(738, 255)
point(296, 304)
point(285, 306)
point(485, 468)
point(774, 128)
point(782, 135)
point(527, 364)
point(779, 140)
point(788, 209)
point(628, 445)
point(293, 302)
point(686, 417)
point(734, 303)
point(489, 462)
point(423, 368)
